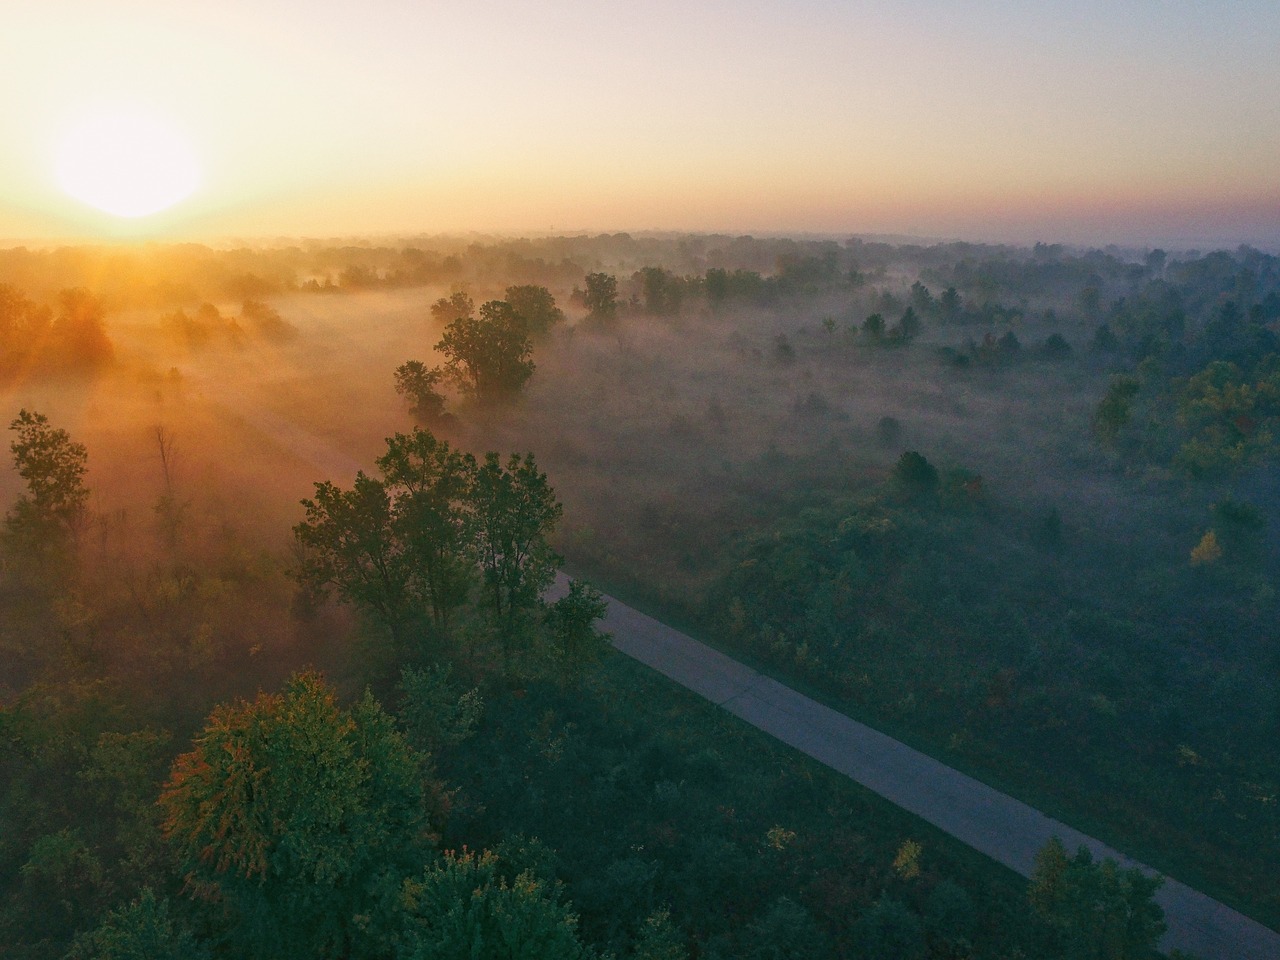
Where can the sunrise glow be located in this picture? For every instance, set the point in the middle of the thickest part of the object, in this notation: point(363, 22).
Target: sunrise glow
point(127, 163)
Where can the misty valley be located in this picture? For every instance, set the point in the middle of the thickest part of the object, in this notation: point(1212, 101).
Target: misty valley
point(282, 676)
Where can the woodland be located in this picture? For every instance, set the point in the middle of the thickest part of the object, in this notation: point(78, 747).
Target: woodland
point(284, 675)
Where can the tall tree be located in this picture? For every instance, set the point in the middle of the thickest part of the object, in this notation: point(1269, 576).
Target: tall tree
point(515, 510)
point(431, 484)
point(350, 544)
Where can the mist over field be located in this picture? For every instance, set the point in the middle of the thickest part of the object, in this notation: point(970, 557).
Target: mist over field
point(1013, 505)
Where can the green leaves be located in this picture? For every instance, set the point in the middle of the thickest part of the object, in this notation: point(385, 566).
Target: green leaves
point(289, 808)
point(409, 548)
point(48, 518)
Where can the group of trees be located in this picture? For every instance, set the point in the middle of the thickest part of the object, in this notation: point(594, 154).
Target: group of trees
point(33, 336)
point(440, 534)
point(487, 357)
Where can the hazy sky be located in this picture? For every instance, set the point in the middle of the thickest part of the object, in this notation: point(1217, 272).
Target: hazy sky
point(1131, 120)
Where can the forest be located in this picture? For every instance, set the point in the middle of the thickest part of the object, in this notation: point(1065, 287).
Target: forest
point(287, 676)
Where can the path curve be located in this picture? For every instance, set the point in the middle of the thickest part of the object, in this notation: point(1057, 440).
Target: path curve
point(1005, 829)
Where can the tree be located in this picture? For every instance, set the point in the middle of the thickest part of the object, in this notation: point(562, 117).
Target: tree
point(873, 328)
point(571, 622)
point(350, 543)
point(292, 811)
point(536, 306)
point(408, 547)
point(46, 520)
point(143, 930)
point(432, 486)
point(488, 357)
point(79, 338)
point(457, 306)
point(515, 509)
point(949, 303)
point(915, 473)
point(462, 909)
point(1114, 409)
point(908, 327)
point(1095, 911)
point(418, 385)
point(601, 298)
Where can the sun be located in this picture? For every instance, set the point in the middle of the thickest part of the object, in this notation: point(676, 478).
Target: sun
point(126, 162)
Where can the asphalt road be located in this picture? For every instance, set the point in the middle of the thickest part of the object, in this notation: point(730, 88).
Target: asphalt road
point(1005, 829)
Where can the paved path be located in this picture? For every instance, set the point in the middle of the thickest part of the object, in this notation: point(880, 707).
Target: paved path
point(1005, 829)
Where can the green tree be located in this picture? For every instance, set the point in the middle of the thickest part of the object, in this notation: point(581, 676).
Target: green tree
point(488, 357)
point(46, 521)
point(462, 909)
point(873, 328)
point(915, 473)
point(536, 306)
point(1095, 911)
point(601, 298)
point(1114, 409)
point(570, 621)
point(515, 509)
point(350, 543)
point(144, 929)
point(292, 812)
point(432, 486)
point(435, 712)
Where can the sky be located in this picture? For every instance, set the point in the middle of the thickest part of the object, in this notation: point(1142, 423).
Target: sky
point(1131, 121)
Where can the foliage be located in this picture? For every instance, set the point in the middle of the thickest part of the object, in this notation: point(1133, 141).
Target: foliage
point(434, 711)
point(1095, 910)
point(488, 357)
point(536, 307)
point(462, 909)
point(514, 509)
point(601, 298)
point(46, 521)
point(144, 929)
point(288, 809)
point(570, 621)
point(418, 385)
point(457, 306)
point(1115, 408)
point(914, 472)
point(409, 548)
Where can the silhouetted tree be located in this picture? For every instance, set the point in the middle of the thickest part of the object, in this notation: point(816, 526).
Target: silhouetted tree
point(46, 521)
point(457, 306)
point(418, 385)
point(601, 298)
point(488, 357)
point(536, 306)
